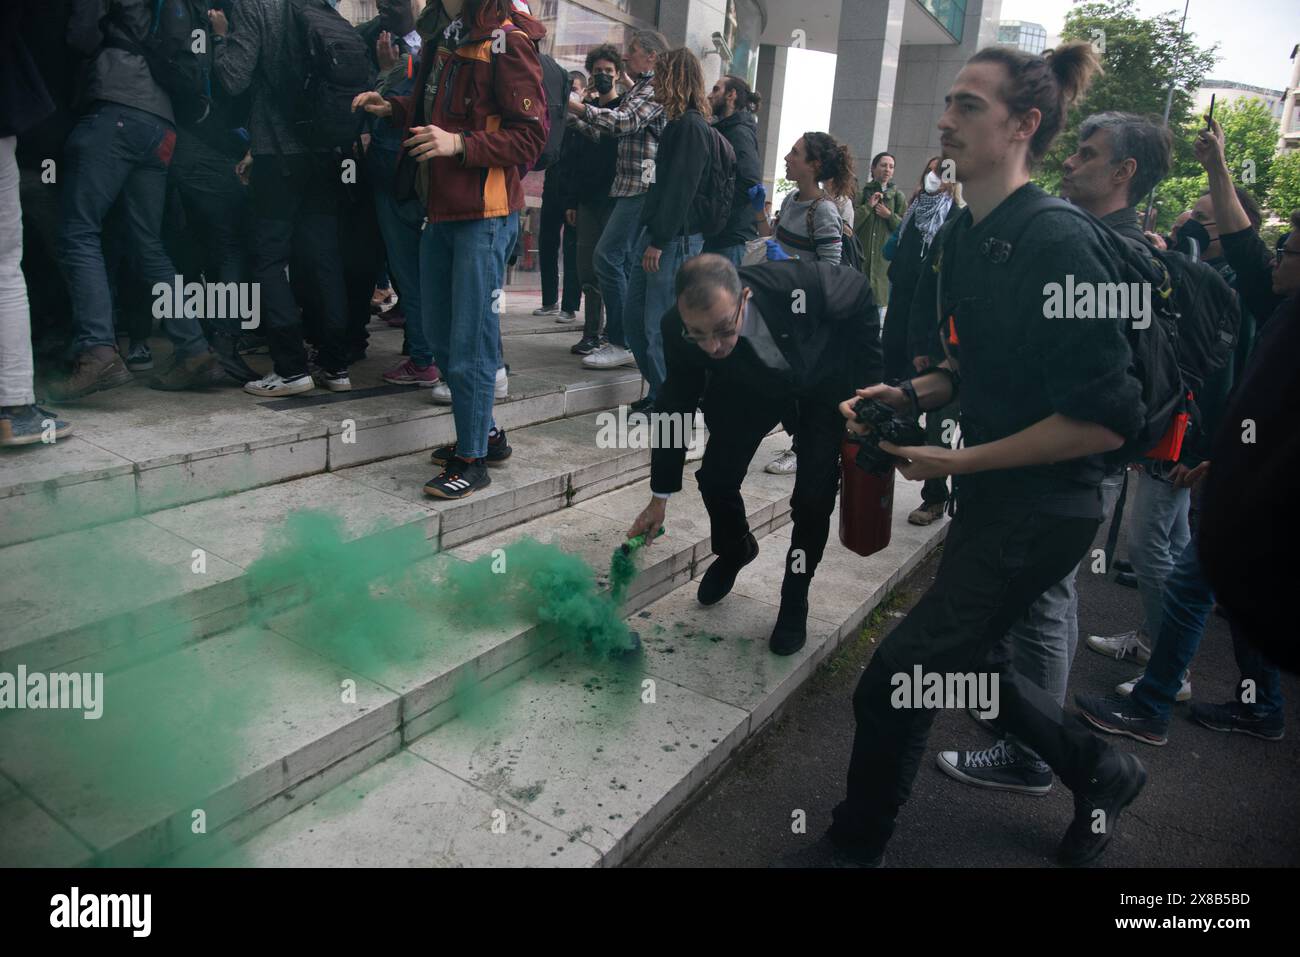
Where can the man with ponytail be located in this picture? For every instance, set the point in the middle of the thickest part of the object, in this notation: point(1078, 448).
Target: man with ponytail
point(1042, 399)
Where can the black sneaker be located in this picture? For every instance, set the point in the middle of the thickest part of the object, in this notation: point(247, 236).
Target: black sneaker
point(585, 346)
point(646, 406)
point(1118, 778)
point(824, 852)
point(1119, 715)
point(458, 479)
point(1235, 716)
point(498, 451)
point(1003, 767)
point(721, 575)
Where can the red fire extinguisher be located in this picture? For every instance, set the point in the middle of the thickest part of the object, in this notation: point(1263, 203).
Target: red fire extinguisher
point(866, 504)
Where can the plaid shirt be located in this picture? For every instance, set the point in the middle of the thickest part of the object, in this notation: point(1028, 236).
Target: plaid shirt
point(637, 123)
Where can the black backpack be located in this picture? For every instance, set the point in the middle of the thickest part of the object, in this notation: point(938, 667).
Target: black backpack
point(168, 48)
point(329, 66)
point(556, 83)
point(1192, 333)
point(715, 198)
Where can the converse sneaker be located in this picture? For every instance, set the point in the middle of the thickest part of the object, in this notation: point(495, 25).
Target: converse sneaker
point(609, 356)
point(1184, 691)
point(1116, 715)
point(458, 479)
point(927, 514)
point(784, 464)
point(498, 450)
point(139, 358)
point(1118, 778)
point(334, 381)
point(1235, 716)
point(547, 311)
point(272, 385)
point(27, 425)
point(1127, 644)
point(1003, 767)
point(441, 393)
point(407, 372)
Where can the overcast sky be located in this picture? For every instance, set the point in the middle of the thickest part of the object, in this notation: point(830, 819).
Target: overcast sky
point(1255, 40)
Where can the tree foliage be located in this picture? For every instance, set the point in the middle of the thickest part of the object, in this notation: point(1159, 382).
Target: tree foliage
point(1284, 195)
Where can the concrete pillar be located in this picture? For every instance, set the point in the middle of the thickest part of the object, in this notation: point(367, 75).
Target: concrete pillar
point(866, 71)
point(771, 87)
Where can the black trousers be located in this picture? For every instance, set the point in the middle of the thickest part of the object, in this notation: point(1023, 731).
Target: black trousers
point(997, 561)
point(737, 423)
point(295, 204)
point(548, 256)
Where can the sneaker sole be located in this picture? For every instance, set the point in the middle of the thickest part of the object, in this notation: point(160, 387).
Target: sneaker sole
point(277, 393)
point(1098, 849)
point(438, 493)
point(335, 386)
point(631, 361)
point(1182, 696)
point(1234, 729)
point(491, 463)
point(1125, 732)
point(35, 438)
point(965, 778)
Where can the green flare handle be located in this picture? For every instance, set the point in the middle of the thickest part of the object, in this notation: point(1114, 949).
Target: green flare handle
point(632, 544)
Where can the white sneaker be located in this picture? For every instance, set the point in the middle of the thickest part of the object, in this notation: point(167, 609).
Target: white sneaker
point(441, 393)
point(566, 318)
point(334, 381)
point(1184, 691)
point(1124, 645)
point(609, 356)
point(547, 311)
point(272, 384)
point(784, 464)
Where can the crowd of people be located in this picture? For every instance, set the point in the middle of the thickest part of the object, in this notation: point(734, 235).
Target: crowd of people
point(931, 302)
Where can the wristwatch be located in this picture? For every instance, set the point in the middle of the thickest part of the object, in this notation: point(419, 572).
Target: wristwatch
point(909, 390)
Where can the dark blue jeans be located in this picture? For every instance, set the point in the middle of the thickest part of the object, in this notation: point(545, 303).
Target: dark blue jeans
point(1187, 603)
point(400, 222)
point(114, 152)
point(615, 259)
point(462, 271)
point(649, 296)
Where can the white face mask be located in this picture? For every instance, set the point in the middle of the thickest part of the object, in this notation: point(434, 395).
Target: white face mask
point(932, 182)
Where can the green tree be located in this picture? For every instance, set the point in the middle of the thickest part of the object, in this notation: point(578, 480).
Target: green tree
point(1284, 196)
point(1138, 57)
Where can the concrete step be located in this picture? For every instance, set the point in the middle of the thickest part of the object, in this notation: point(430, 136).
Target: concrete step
point(152, 582)
point(580, 762)
point(239, 729)
point(136, 451)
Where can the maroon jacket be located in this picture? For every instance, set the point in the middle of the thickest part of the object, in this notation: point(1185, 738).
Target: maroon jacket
point(496, 99)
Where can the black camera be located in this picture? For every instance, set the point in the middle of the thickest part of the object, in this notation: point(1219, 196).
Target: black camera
point(884, 423)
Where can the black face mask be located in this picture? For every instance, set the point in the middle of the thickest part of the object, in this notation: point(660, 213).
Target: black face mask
point(1193, 232)
point(603, 83)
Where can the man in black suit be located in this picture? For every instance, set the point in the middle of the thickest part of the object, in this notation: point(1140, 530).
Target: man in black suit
point(742, 345)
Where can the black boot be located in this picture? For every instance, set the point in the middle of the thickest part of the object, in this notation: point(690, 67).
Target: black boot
point(721, 576)
point(791, 631)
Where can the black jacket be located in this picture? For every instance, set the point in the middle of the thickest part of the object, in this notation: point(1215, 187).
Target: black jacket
point(557, 184)
point(830, 340)
point(741, 131)
point(594, 163)
point(680, 165)
point(24, 101)
point(1019, 367)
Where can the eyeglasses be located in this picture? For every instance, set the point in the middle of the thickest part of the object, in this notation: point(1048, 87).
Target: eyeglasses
point(721, 332)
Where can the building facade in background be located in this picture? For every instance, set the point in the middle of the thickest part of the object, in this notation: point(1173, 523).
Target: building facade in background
point(1030, 37)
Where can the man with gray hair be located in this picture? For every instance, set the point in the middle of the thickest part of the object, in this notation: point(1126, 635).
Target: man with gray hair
point(1120, 157)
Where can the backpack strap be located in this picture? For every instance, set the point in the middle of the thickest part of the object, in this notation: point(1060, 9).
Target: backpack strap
point(812, 209)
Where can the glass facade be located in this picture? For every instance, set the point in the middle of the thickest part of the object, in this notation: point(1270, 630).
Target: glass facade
point(951, 15)
point(1030, 37)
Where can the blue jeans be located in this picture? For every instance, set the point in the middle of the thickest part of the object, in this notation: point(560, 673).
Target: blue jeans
point(1188, 601)
point(1159, 535)
point(614, 262)
point(735, 253)
point(462, 275)
point(649, 296)
point(400, 224)
point(117, 151)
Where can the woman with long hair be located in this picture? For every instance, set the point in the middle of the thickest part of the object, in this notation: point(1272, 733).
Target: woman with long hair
point(670, 225)
point(810, 223)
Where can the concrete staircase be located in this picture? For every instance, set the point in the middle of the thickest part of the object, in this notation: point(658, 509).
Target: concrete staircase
point(490, 745)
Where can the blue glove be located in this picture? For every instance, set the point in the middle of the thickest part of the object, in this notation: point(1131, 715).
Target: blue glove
point(775, 253)
point(757, 197)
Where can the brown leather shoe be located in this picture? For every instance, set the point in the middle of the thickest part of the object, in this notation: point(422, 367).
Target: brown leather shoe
point(926, 514)
point(190, 373)
point(92, 374)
